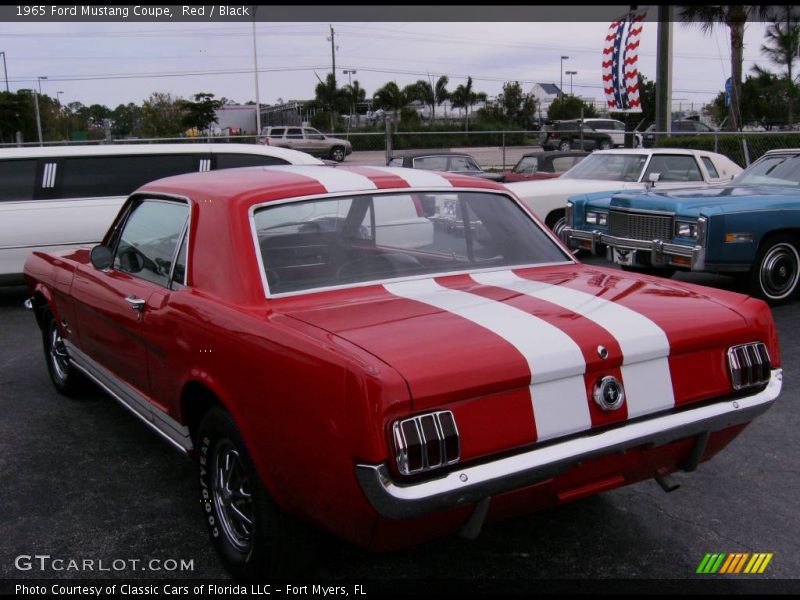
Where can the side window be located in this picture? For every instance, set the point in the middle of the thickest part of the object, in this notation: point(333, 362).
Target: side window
point(563, 163)
point(397, 161)
point(294, 133)
point(276, 131)
point(709, 165)
point(463, 163)
point(232, 161)
point(674, 168)
point(432, 163)
point(18, 179)
point(313, 134)
point(93, 176)
point(149, 239)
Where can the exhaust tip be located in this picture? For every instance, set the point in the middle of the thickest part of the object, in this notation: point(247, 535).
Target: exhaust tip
point(668, 483)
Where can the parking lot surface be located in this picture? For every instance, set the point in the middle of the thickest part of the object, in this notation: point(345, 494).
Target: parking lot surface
point(83, 479)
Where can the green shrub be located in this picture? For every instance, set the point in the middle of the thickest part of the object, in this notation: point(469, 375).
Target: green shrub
point(731, 144)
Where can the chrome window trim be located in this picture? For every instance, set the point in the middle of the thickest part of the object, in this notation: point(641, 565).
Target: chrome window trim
point(569, 259)
point(158, 196)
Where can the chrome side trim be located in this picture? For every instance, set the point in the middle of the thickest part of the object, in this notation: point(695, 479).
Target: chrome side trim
point(159, 421)
point(398, 500)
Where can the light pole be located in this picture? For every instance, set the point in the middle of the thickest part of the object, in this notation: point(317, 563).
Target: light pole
point(58, 98)
point(5, 70)
point(561, 87)
point(255, 72)
point(40, 83)
point(350, 73)
point(570, 73)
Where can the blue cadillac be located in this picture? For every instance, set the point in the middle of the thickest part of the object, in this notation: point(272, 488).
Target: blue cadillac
point(749, 228)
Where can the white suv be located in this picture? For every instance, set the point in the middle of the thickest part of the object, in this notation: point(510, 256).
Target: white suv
point(614, 128)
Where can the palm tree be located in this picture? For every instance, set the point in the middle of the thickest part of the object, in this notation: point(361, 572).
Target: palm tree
point(355, 95)
point(464, 97)
point(440, 94)
point(734, 17)
point(329, 96)
point(390, 97)
point(423, 91)
point(782, 41)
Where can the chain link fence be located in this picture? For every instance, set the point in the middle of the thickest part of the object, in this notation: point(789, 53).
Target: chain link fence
point(741, 147)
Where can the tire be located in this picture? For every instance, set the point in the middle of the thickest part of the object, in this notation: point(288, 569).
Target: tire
point(605, 145)
point(338, 153)
point(564, 145)
point(665, 272)
point(67, 380)
point(775, 273)
point(252, 536)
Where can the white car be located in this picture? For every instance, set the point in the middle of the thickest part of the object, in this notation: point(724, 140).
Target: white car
point(615, 170)
point(56, 197)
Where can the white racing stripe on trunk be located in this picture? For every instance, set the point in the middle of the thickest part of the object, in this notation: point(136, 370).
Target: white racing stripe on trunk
point(416, 178)
point(555, 361)
point(645, 347)
point(334, 180)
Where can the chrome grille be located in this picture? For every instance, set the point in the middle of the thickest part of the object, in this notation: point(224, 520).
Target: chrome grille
point(426, 442)
point(749, 365)
point(640, 226)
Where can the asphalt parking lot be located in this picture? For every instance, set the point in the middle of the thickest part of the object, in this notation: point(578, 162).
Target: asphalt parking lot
point(82, 479)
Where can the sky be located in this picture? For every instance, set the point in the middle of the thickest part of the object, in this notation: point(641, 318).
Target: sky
point(113, 63)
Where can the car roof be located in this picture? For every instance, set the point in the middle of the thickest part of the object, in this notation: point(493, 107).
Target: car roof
point(292, 156)
point(420, 154)
point(280, 182)
point(646, 151)
point(784, 151)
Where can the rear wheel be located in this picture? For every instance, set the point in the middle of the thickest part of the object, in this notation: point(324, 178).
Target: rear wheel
point(605, 145)
point(65, 377)
point(564, 146)
point(775, 273)
point(252, 536)
point(338, 153)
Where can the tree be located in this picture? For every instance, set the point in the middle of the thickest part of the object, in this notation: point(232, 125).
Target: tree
point(440, 93)
point(765, 96)
point(424, 92)
point(464, 97)
point(330, 97)
point(161, 116)
point(569, 107)
point(781, 43)
point(12, 109)
point(734, 17)
point(513, 107)
point(201, 113)
point(125, 119)
point(390, 98)
point(355, 95)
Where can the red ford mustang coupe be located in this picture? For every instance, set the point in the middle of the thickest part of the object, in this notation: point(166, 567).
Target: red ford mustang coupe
point(331, 358)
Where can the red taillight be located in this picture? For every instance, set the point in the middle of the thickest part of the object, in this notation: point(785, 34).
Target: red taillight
point(265, 141)
point(553, 136)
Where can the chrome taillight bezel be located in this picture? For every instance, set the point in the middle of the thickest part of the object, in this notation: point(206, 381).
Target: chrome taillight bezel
point(426, 442)
point(749, 365)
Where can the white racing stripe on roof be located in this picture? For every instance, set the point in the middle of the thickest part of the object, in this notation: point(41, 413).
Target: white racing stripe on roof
point(416, 178)
point(332, 179)
point(645, 347)
point(556, 364)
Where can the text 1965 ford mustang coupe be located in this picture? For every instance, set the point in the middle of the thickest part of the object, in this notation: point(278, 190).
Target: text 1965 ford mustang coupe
point(391, 394)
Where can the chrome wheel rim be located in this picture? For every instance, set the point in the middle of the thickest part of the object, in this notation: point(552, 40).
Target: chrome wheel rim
point(58, 354)
point(779, 271)
point(232, 497)
point(338, 155)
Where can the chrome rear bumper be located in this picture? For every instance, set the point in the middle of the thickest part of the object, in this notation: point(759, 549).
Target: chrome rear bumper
point(396, 499)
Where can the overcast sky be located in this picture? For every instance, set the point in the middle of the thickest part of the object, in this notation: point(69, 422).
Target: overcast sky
point(199, 57)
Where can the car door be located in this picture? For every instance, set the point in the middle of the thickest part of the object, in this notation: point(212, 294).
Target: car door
point(294, 138)
point(314, 142)
point(111, 305)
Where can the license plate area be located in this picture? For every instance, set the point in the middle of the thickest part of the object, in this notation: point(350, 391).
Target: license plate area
point(625, 258)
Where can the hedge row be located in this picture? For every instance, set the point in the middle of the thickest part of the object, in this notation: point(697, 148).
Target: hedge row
point(732, 145)
point(458, 139)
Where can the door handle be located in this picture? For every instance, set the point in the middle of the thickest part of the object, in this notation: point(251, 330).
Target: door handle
point(137, 304)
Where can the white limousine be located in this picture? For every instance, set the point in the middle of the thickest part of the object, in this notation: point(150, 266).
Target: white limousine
point(56, 197)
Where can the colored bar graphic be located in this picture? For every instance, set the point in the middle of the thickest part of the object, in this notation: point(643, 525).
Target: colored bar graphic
point(734, 563)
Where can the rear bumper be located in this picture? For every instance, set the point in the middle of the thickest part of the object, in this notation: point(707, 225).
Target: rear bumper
point(397, 500)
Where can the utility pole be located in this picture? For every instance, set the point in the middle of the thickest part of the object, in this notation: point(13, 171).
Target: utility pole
point(255, 71)
point(5, 70)
point(664, 70)
point(333, 54)
point(38, 115)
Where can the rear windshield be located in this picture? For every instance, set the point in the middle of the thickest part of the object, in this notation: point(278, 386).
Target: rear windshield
point(361, 238)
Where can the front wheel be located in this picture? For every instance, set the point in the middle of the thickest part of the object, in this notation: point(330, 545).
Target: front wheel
point(776, 270)
point(338, 154)
point(65, 377)
point(605, 145)
point(564, 146)
point(252, 536)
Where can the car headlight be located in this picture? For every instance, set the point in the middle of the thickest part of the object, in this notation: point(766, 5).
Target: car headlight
point(596, 218)
point(688, 230)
